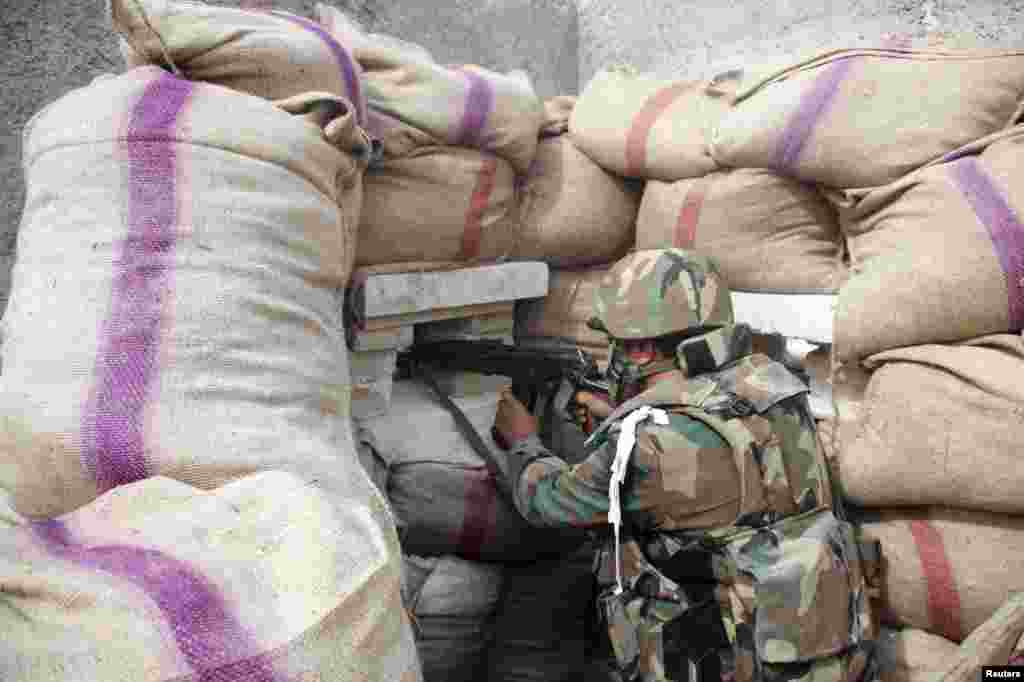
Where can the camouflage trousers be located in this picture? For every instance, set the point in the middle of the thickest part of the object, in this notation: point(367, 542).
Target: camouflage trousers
point(792, 597)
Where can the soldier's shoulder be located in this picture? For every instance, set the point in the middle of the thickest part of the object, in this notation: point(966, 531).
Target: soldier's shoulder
point(761, 380)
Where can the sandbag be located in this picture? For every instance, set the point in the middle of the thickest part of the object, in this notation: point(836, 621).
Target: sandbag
point(444, 497)
point(436, 203)
point(942, 426)
point(464, 106)
point(453, 605)
point(541, 628)
point(561, 317)
point(175, 304)
point(159, 580)
point(765, 231)
point(946, 570)
point(937, 256)
point(866, 117)
point(643, 127)
point(572, 212)
point(269, 54)
point(912, 655)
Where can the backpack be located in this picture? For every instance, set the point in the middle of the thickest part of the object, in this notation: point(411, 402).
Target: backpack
point(791, 576)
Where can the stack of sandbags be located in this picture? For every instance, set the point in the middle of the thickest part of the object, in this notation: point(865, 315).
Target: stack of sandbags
point(926, 440)
point(572, 212)
point(444, 496)
point(453, 604)
point(160, 580)
point(561, 317)
point(453, 142)
point(767, 232)
point(174, 312)
point(936, 255)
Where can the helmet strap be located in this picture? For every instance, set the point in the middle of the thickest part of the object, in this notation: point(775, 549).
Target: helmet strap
point(712, 350)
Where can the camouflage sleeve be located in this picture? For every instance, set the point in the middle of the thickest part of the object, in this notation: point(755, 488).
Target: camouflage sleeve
point(548, 492)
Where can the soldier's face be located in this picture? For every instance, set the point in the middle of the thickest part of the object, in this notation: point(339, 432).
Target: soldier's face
point(640, 351)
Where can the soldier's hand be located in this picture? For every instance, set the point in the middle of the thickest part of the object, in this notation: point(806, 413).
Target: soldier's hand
point(513, 421)
point(595, 404)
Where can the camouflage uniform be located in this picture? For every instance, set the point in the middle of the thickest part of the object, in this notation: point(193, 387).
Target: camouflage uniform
point(726, 485)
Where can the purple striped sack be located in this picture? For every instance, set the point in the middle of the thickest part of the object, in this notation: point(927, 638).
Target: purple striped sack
point(937, 256)
point(175, 305)
point(465, 106)
point(865, 117)
point(262, 580)
point(269, 54)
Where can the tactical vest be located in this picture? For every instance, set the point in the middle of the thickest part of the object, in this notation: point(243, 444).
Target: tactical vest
point(791, 576)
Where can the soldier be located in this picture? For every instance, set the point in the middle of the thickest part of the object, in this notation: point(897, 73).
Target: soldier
point(709, 473)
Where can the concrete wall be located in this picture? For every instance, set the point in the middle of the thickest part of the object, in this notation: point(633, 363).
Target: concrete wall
point(52, 46)
point(695, 39)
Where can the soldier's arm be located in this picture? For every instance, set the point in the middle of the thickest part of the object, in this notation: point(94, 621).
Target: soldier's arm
point(548, 492)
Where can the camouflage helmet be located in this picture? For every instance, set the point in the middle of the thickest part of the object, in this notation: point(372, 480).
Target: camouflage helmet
point(652, 293)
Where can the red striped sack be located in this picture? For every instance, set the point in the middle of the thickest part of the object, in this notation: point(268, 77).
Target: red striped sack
point(175, 301)
point(270, 54)
point(573, 212)
point(158, 580)
point(642, 127)
point(937, 256)
point(766, 232)
point(453, 604)
point(444, 497)
point(436, 203)
point(947, 570)
point(561, 317)
point(466, 106)
point(865, 117)
point(941, 425)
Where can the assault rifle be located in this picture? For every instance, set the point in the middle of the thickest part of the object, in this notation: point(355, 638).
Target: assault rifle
point(534, 373)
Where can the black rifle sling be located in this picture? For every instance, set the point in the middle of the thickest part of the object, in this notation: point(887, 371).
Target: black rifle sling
point(466, 427)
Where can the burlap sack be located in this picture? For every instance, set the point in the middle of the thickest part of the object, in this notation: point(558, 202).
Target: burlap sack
point(572, 212)
point(765, 231)
point(264, 53)
point(561, 317)
point(453, 604)
point(445, 498)
point(464, 106)
point(175, 307)
point(865, 117)
point(942, 426)
point(937, 256)
point(435, 202)
point(911, 655)
point(157, 580)
point(947, 570)
point(642, 127)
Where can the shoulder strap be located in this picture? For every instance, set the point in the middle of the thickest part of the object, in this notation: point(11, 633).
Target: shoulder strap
point(469, 432)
